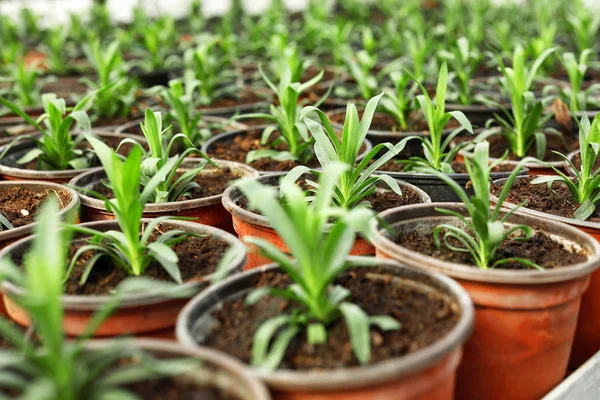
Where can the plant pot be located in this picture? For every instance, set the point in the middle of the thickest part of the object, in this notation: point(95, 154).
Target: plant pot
point(587, 336)
point(150, 79)
point(228, 138)
point(477, 114)
point(217, 370)
point(206, 210)
point(137, 313)
point(427, 373)
point(223, 124)
point(250, 224)
point(10, 170)
point(524, 320)
point(252, 100)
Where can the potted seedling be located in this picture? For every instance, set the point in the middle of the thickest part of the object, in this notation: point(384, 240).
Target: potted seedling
point(311, 327)
point(192, 187)
point(53, 366)
point(516, 268)
point(271, 148)
point(54, 150)
point(183, 254)
point(571, 200)
point(179, 98)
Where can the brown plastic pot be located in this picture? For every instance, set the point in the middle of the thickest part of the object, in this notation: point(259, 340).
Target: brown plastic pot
point(587, 336)
point(525, 320)
point(250, 224)
point(428, 373)
point(10, 170)
point(208, 210)
point(137, 313)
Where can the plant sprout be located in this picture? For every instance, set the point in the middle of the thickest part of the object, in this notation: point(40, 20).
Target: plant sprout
point(59, 367)
point(464, 60)
point(484, 230)
point(436, 144)
point(130, 248)
point(585, 188)
point(361, 70)
point(57, 149)
point(157, 39)
point(357, 183)
point(57, 49)
point(25, 82)
point(583, 26)
point(581, 99)
point(293, 132)
point(320, 254)
point(171, 188)
point(398, 103)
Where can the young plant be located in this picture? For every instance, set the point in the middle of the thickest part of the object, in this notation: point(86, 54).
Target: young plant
point(286, 56)
point(523, 124)
point(286, 115)
point(171, 188)
point(437, 154)
point(114, 90)
point(55, 366)
point(57, 149)
point(581, 99)
point(585, 188)
point(213, 70)
point(583, 26)
point(320, 254)
point(361, 69)
point(58, 50)
point(464, 60)
point(398, 103)
point(338, 36)
point(483, 231)
point(157, 39)
point(356, 183)
point(130, 248)
point(25, 83)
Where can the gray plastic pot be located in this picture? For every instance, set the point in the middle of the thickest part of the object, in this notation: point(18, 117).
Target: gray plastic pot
point(137, 313)
point(228, 137)
point(133, 127)
point(587, 336)
point(10, 170)
point(426, 373)
point(525, 320)
point(250, 224)
point(216, 370)
point(206, 210)
point(67, 211)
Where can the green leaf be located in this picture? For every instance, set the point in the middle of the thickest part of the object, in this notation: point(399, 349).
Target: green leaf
point(357, 322)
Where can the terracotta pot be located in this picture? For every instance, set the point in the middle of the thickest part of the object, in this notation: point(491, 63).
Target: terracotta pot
point(525, 320)
point(247, 223)
point(425, 374)
point(207, 210)
point(228, 137)
point(216, 370)
point(587, 336)
point(137, 313)
point(133, 127)
point(10, 170)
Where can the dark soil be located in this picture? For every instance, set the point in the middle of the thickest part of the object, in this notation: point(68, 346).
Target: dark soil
point(557, 201)
point(237, 148)
point(424, 319)
point(212, 184)
point(383, 122)
point(577, 162)
point(20, 205)
point(498, 145)
point(178, 389)
point(245, 97)
point(198, 257)
point(540, 249)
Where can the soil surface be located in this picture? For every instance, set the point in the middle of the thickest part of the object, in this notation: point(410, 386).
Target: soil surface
point(212, 184)
point(198, 257)
point(240, 145)
point(540, 249)
point(20, 205)
point(498, 145)
point(178, 389)
point(555, 201)
point(245, 97)
point(424, 319)
point(384, 122)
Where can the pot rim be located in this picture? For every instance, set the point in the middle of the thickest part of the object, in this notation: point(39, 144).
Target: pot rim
point(540, 214)
point(66, 174)
point(260, 220)
point(218, 359)
point(359, 376)
point(73, 205)
point(472, 273)
point(457, 176)
point(243, 107)
point(175, 206)
point(226, 135)
point(207, 118)
point(94, 302)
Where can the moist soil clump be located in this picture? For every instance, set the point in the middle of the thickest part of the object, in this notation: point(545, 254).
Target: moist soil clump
point(540, 249)
point(198, 257)
point(424, 319)
point(20, 205)
point(558, 201)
